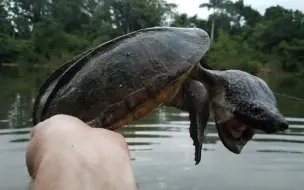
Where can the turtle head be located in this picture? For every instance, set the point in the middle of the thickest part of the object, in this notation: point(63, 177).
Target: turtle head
point(242, 104)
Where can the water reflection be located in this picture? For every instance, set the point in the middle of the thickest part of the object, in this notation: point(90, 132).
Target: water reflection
point(162, 153)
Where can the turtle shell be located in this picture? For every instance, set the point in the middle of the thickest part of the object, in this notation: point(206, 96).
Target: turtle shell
point(122, 79)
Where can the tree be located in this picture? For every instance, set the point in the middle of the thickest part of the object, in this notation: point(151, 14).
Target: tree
point(50, 32)
point(5, 25)
point(131, 15)
point(215, 5)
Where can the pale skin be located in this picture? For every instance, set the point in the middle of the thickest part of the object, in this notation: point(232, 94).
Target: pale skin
point(66, 154)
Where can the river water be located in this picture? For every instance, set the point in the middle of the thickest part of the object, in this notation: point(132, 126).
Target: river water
point(162, 151)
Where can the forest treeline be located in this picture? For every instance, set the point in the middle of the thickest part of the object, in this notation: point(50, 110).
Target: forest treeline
point(50, 32)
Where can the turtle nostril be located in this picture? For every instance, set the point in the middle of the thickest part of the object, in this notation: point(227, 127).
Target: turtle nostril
point(283, 125)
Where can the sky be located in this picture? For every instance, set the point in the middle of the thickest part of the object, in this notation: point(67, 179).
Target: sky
point(191, 6)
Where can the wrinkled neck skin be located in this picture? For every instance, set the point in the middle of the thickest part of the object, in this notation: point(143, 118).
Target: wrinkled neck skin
point(209, 78)
point(199, 73)
point(233, 134)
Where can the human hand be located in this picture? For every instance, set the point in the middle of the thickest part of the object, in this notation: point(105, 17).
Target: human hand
point(65, 153)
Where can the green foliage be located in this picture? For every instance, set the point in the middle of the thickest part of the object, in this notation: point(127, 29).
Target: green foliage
point(43, 32)
point(229, 52)
point(131, 15)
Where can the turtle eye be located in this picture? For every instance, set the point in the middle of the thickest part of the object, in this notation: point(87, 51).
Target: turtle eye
point(257, 110)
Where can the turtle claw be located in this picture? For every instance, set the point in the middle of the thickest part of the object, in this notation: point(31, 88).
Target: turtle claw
point(197, 134)
point(198, 154)
point(196, 102)
point(196, 143)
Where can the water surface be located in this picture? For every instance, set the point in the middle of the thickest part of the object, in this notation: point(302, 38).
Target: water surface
point(162, 151)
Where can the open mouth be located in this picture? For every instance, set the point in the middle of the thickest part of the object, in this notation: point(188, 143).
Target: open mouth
point(234, 134)
point(234, 130)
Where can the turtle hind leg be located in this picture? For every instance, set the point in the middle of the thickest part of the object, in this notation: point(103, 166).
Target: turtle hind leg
point(194, 99)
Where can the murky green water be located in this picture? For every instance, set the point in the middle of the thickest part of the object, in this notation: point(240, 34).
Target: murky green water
point(162, 150)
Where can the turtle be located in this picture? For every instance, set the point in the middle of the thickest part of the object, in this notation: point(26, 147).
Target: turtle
point(124, 79)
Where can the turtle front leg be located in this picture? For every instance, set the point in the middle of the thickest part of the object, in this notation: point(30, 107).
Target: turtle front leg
point(194, 99)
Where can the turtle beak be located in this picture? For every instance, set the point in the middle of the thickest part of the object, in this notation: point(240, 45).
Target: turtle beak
point(234, 134)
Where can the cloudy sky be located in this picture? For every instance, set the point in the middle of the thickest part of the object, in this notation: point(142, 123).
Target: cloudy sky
point(191, 6)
